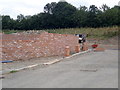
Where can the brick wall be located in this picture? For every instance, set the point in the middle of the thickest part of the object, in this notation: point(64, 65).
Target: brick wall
point(27, 46)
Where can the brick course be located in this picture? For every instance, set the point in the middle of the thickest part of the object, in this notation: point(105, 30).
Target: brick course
point(27, 46)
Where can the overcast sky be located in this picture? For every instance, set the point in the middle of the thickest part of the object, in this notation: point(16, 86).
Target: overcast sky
point(31, 7)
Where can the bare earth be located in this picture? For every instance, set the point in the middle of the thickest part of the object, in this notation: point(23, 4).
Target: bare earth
point(111, 43)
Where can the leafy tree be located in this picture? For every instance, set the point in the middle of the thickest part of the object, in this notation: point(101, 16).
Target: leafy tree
point(93, 9)
point(20, 17)
point(111, 17)
point(80, 17)
point(92, 16)
point(65, 15)
point(83, 8)
point(0, 22)
point(49, 7)
point(7, 22)
point(63, 12)
point(28, 17)
point(104, 7)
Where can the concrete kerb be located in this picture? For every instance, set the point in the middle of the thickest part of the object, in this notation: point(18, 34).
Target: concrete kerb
point(48, 63)
point(89, 50)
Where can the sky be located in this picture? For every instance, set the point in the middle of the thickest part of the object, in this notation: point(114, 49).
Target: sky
point(32, 7)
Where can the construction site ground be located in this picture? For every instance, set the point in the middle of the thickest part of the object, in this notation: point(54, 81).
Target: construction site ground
point(110, 44)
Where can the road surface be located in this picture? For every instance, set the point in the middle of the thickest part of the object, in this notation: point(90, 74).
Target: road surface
point(91, 70)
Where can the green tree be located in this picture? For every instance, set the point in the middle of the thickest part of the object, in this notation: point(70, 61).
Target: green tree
point(0, 22)
point(48, 8)
point(104, 7)
point(83, 8)
point(63, 14)
point(80, 17)
point(7, 22)
point(92, 16)
point(20, 17)
point(111, 17)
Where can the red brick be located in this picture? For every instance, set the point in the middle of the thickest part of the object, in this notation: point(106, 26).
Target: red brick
point(85, 47)
point(77, 48)
point(17, 47)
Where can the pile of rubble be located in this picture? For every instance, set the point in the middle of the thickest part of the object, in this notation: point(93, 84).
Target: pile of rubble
point(33, 32)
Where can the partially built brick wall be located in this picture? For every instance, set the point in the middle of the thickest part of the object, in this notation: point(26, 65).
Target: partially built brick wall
point(27, 46)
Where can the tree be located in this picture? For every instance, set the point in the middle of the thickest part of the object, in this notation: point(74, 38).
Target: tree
point(111, 17)
point(93, 9)
point(92, 16)
point(7, 22)
point(83, 8)
point(48, 8)
point(63, 13)
point(20, 17)
point(104, 7)
point(28, 17)
point(0, 22)
point(80, 17)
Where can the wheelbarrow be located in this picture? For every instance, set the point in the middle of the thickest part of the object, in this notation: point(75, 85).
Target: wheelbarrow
point(94, 45)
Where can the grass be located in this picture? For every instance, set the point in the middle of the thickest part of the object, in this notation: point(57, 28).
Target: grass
point(11, 31)
point(101, 33)
point(13, 71)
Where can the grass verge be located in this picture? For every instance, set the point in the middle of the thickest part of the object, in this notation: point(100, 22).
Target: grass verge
point(98, 33)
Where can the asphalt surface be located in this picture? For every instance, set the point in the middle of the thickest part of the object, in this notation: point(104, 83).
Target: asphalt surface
point(91, 70)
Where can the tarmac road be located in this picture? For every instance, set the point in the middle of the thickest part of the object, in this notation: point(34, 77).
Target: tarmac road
point(91, 70)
